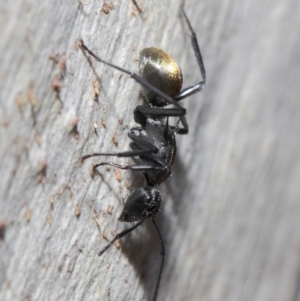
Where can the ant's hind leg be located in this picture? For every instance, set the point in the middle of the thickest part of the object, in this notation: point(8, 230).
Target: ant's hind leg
point(138, 79)
point(199, 86)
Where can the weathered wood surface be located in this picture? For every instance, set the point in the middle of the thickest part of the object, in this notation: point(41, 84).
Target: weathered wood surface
point(230, 214)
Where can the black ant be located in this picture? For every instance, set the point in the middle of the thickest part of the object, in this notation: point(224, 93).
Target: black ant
point(153, 146)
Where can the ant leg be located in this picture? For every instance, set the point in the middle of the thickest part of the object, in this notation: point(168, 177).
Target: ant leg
point(138, 79)
point(124, 154)
point(141, 112)
point(185, 129)
point(145, 148)
point(137, 6)
point(157, 163)
point(162, 253)
point(120, 235)
point(131, 167)
point(178, 130)
point(197, 87)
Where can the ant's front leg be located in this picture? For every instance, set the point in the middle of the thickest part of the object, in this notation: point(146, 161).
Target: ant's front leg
point(132, 153)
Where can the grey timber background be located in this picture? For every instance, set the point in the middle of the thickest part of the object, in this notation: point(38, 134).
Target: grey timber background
point(230, 214)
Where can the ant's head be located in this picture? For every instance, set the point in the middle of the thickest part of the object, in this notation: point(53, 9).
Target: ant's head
point(159, 69)
point(143, 202)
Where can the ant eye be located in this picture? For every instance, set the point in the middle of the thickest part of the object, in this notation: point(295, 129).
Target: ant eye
point(153, 146)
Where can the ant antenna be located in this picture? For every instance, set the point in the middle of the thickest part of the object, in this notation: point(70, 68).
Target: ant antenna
point(162, 253)
point(120, 235)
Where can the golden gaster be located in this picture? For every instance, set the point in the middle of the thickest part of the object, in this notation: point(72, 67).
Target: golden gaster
point(160, 69)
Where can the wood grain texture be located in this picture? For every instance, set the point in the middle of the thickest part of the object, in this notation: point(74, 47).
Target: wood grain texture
point(230, 214)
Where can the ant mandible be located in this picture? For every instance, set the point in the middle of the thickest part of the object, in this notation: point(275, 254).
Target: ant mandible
point(153, 146)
